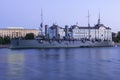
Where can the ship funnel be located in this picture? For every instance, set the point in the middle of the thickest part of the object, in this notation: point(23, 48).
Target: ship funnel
point(46, 31)
point(56, 27)
point(66, 31)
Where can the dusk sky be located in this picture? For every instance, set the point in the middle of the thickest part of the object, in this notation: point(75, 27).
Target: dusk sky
point(27, 13)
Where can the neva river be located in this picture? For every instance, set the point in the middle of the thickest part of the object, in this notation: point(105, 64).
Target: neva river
point(60, 64)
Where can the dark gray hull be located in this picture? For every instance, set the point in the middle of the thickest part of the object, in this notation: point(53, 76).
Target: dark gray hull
point(19, 44)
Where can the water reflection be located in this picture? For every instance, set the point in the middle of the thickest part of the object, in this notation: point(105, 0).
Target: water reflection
point(15, 66)
point(60, 64)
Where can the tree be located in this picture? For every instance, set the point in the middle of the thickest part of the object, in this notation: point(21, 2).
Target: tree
point(114, 37)
point(29, 36)
point(1, 40)
point(6, 40)
point(117, 39)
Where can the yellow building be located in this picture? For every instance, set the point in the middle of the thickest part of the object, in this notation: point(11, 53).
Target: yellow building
point(15, 32)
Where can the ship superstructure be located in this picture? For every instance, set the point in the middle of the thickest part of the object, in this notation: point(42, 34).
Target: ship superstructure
point(99, 32)
point(56, 36)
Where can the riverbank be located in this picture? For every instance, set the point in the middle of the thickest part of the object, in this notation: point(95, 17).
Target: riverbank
point(5, 46)
point(117, 44)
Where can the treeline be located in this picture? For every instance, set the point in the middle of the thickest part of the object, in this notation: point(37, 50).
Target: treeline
point(116, 37)
point(6, 39)
point(29, 36)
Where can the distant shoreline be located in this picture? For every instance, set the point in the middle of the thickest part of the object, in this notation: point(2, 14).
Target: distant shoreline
point(117, 44)
point(5, 46)
point(8, 45)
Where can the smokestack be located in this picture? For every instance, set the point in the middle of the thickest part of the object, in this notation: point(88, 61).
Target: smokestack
point(46, 30)
point(56, 27)
point(66, 31)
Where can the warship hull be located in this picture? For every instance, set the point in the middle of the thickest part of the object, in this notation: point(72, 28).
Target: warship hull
point(27, 44)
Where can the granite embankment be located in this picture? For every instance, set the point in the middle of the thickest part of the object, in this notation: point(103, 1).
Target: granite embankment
point(8, 45)
point(117, 44)
point(4, 46)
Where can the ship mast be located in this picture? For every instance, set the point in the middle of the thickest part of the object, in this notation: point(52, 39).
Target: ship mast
point(88, 25)
point(41, 24)
point(99, 19)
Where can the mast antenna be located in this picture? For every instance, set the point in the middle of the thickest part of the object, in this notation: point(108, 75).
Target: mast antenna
point(89, 25)
point(99, 18)
point(41, 25)
point(88, 19)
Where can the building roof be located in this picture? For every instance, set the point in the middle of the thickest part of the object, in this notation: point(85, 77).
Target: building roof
point(16, 29)
point(97, 26)
point(54, 26)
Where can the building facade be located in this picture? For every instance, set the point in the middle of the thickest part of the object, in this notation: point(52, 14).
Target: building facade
point(13, 32)
point(97, 32)
point(56, 32)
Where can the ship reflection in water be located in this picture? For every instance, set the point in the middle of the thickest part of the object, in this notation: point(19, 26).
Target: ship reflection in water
point(60, 64)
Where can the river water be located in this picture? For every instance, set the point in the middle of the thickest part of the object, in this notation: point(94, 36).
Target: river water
point(60, 64)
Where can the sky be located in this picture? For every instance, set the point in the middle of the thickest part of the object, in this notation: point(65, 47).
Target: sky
point(27, 13)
